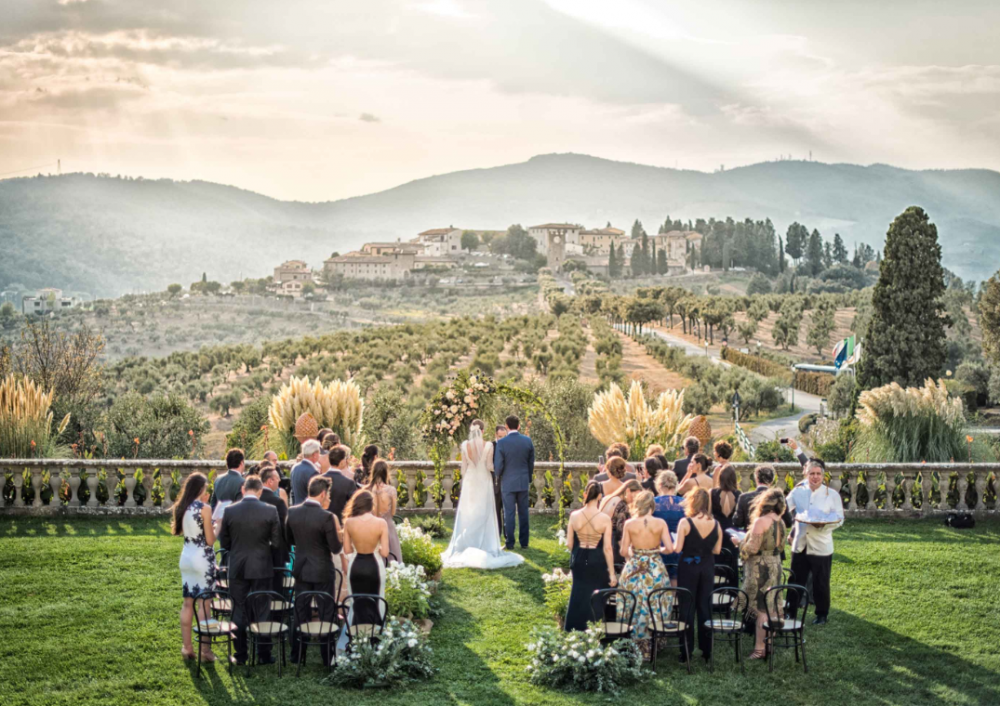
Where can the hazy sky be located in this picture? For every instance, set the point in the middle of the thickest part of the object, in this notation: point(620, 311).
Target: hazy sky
point(323, 99)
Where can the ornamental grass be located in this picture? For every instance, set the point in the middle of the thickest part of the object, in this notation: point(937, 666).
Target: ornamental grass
point(338, 406)
point(613, 417)
point(26, 419)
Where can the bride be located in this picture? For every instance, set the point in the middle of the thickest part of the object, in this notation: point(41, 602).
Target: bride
point(475, 541)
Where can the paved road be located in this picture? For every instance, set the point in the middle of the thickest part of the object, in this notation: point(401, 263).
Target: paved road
point(766, 431)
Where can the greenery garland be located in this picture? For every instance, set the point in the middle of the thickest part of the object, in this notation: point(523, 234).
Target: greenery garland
point(472, 396)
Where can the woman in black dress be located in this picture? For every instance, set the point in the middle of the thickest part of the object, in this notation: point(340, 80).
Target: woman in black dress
point(365, 535)
point(588, 535)
point(725, 496)
point(699, 539)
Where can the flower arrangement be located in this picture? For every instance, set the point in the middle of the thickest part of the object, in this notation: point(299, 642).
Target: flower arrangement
point(453, 408)
point(338, 406)
point(401, 655)
point(407, 591)
point(577, 661)
point(26, 419)
point(614, 417)
point(418, 549)
point(558, 586)
point(909, 424)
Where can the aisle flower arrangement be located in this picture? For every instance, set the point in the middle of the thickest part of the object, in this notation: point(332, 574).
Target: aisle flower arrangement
point(577, 661)
point(558, 586)
point(418, 549)
point(401, 655)
point(407, 591)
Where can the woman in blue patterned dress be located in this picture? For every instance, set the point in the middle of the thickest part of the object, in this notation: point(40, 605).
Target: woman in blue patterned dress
point(644, 538)
point(193, 519)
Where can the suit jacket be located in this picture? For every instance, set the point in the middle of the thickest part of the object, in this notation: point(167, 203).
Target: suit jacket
point(229, 486)
point(312, 530)
point(280, 554)
point(514, 462)
point(301, 475)
point(341, 490)
point(741, 520)
point(680, 468)
point(250, 529)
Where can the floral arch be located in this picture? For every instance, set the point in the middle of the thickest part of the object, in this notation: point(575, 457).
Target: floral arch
point(475, 395)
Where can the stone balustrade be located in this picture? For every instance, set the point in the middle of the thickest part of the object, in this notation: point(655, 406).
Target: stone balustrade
point(136, 487)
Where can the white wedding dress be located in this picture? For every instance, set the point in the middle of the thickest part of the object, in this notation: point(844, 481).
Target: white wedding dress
point(475, 541)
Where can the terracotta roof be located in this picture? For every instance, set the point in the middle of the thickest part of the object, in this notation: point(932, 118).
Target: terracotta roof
point(364, 259)
point(439, 231)
point(298, 264)
point(603, 231)
point(555, 226)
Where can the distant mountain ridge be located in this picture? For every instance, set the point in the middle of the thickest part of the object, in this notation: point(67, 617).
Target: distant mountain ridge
point(108, 236)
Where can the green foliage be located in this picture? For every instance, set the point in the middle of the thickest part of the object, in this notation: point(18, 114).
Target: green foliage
point(905, 339)
point(989, 317)
point(758, 284)
point(432, 525)
point(406, 591)
point(557, 592)
point(470, 240)
point(840, 394)
point(773, 452)
point(247, 432)
point(818, 384)
point(577, 661)
point(807, 421)
point(417, 548)
point(401, 655)
point(388, 423)
point(757, 364)
point(821, 326)
point(166, 426)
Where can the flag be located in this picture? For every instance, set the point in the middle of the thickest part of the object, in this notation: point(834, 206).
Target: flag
point(855, 356)
point(843, 352)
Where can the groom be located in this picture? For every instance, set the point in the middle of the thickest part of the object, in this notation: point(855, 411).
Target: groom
point(514, 464)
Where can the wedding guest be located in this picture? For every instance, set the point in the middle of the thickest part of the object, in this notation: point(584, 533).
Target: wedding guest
point(269, 494)
point(498, 433)
point(691, 447)
point(315, 534)
point(614, 451)
point(364, 535)
point(654, 450)
point(363, 474)
point(723, 452)
point(697, 475)
point(230, 485)
point(644, 539)
point(725, 497)
point(616, 503)
point(588, 536)
point(761, 552)
point(250, 530)
point(384, 501)
point(647, 473)
point(812, 542)
point(324, 460)
point(323, 433)
point(192, 518)
point(330, 436)
point(669, 507)
point(342, 485)
point(699, 540)
point(664, 463)
point(271, 457)
point(763, 477)
point(305, 470)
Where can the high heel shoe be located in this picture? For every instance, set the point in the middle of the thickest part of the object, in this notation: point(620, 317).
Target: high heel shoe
point(208, 657)
point(187, 656)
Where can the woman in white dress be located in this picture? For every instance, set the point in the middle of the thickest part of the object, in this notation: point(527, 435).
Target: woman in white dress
point(475, 541)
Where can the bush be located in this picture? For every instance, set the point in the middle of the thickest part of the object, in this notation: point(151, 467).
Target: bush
point(838, 399)
point(407, 591)
point(160, 426)
point(831, 453)
point(401, 655)
point(965, 392)
point(758, 284)
point(246, 431)
point(558, 586)
point(432, 525)
point(417, 548)
point(806, 422)
point(818, 384)
point(773, 452)
point(577, 661)
point(755, 363)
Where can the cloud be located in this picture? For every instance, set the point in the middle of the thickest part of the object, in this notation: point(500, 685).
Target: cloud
point(369, 118)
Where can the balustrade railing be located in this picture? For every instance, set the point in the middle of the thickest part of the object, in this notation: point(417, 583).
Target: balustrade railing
point(47, 486)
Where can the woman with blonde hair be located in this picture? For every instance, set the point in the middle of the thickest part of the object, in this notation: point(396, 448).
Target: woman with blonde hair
point(699, 540)
point(761, 552)
point(644, 539)
point(669, 507)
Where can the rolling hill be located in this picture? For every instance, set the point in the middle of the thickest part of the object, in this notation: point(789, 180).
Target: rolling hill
point(107, 236)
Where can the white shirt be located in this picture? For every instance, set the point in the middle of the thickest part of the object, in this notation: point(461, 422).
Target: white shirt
point(817, 541)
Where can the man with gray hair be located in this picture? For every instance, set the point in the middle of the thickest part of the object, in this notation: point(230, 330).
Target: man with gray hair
point(305, 471)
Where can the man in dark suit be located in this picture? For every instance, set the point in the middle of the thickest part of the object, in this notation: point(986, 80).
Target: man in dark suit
point(279, 555)
point(342, 485)
point(250, 530)
point(230, 485)
point(305, 470)
point(514, 465)
point(498, 433)
point(614, 451)
point(315, 533)
point(691, 447)
point(763, 476)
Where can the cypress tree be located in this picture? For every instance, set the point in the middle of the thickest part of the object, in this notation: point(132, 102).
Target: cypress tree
point(814, 253)
point(781, 255)
point(612, 262)
point(662, 266)
point(905, 341)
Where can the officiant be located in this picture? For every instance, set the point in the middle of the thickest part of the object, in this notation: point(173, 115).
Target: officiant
point(818, 511)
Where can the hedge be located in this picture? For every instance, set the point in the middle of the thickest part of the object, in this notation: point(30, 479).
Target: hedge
point(818, 384)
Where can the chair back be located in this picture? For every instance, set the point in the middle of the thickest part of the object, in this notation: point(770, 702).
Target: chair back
point(320, 608)
point(670, 609)
point(262, 617)
point(787, 605)
point(724, 575)
point(614, 608)
point(287, 582)
point(366, 615)
point(727, 615)
point(221, 606)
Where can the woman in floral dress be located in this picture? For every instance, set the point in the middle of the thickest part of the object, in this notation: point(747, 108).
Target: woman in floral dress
point(193, 519)
point(761, 552)
point(644, 538)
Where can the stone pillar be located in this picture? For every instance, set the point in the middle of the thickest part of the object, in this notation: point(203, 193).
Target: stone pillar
point(129, 474)
point(429, 503)
point(890, 489)
point(926, 486)
point(540, 490)
point(112, 483)
point(963, 485)
point(980, 508)
point(871, 481)
point(852, 483)
point(944, 480)
point(18, 483)
point(74, 487)
point(908, 481)
point(147, 483)
point(92, 483)
point(36, 484)
point(55, 482)
point(166, 482)
point(448, 483)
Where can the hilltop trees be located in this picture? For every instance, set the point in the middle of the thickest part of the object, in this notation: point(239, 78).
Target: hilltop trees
point(989, 317)
point(905, 341)
point(795, 241)
point(470, 240)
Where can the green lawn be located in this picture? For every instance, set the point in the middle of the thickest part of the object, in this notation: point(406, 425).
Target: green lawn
point(88, 615)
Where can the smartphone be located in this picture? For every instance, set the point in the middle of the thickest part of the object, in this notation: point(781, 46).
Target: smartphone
point(784, 440)
point(600, 460)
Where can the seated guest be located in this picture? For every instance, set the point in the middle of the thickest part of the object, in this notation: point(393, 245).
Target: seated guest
point(647, 473)
point(305, 470)
point(362, 474)
point(250, 530)
point(669, 507)
point(761, 552)
point(697, 475)
point(644, 539)
point(342, 485)
point(588, 536)
point(315, 534)
point(192, 518)
point(763, 478)
point(725, 497)
point(614, 451)
point(616, 506)
point(699, 540)
point(691, 447)
point(269, 494)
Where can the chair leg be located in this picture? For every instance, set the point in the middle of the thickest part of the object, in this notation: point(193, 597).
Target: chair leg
point(687, 656)
point(711, 659)
point(805, 667)
point(769, 641)
point(199, 656)
point(739, 656)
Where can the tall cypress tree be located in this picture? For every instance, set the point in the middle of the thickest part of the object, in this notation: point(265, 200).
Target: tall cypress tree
point(814, 253)
point(612, 262)
point(905, 341)
point(781, 255)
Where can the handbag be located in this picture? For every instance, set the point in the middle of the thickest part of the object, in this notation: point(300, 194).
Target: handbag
point(960, 520)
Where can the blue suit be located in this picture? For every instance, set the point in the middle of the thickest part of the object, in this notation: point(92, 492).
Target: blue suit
point(514, 466)
point(303, 472)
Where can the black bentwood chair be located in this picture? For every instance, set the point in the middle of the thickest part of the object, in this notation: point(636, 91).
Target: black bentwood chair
point(366, 616)
point(787, 606)
point(670, 611)
point(724, 577)
point(617, 622)
point(727, 625)
point(213, 631)
point(265, 626)
point(322, 625)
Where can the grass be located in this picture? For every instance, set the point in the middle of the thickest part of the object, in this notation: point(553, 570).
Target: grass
point(89, 616)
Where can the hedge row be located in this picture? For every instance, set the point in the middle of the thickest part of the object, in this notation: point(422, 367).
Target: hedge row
point(818, 384)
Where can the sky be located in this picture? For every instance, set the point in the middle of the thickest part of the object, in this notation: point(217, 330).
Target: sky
point(316, 100)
